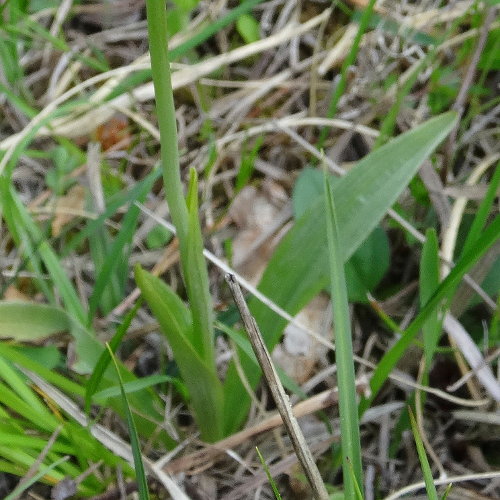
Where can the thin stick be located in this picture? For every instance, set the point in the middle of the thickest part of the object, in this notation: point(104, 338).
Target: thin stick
point(280, 398)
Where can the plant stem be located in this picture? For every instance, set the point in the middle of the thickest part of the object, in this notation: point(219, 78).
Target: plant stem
point(160, 66)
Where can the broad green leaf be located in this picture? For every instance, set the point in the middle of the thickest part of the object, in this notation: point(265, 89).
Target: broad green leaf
point(296, 272)
point(201, 380)
point(49, 355)
point(370, 261)
point(307, 191)
point(248, 28)
point(158, 237)
point(367, 266)
point(27, 321)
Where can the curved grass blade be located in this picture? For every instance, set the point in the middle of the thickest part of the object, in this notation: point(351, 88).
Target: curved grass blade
point(349, 422)
point(118, 252)
point(391, 357)
point(424, 462)
point(272, 482)
point(44, 470)
point(105, 358)
point(142, 484)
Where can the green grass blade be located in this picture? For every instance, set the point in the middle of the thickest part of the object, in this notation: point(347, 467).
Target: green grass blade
point(447, 491)
point(489, 236)
point(17, 102)
point(181, 50)
point(387, 126)
point(424, 462)
point(213, 28)
point(113, 205)
point(484, 209)
point(18, 385)
point(429, 281)
point(109, 293)
point(348, 409)
point(298, 271)
point(16, 356)
point(22, 219)
point(23, 240)
point(117, 253)
point(41, 418)
point(130, 387)
point(268, 474)
point(104, 360)
point(16, 492)
point(142, 483)
point(358, 494)
point(348, 62)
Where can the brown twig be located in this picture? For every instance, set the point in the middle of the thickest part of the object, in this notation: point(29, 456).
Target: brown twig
point(280, 398)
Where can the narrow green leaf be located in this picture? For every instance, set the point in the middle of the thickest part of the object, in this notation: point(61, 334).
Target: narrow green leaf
point(448, 488)
point(113, 205)
point(429, 281)
point(104, 359)
point(142, 483)
point(204, 387)
point(348, 62)
point(40, 417)
point(489, 236)
point(484, 209)
point(44, 470)
point(118, 253)
point(348, 409)
point(130, 387)
point(424, 462)
point(272, 482)
point(18, 384)
point(241, 340)
point(196, 277)
point(26, 226)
